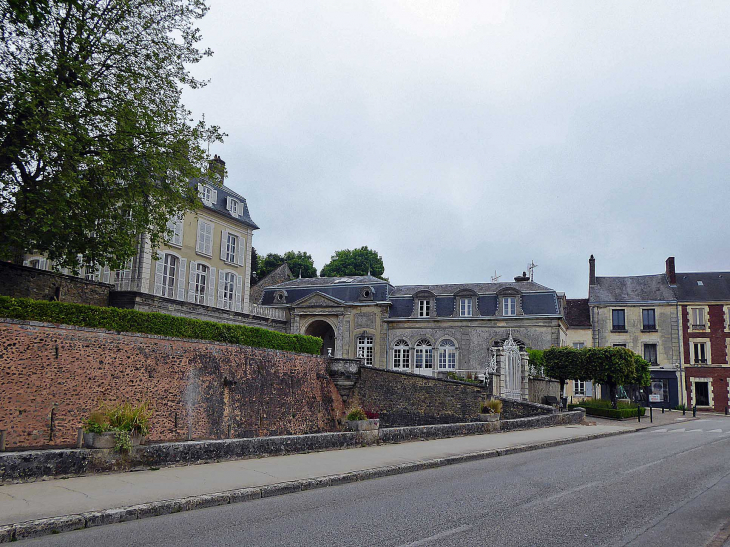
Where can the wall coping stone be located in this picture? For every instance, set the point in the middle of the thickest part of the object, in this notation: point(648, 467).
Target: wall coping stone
point(52, 273)
point(24, 322)
point(421, 376)
point(32, 465)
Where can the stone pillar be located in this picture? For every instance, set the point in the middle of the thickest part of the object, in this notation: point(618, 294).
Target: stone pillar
point(525, 388)
point(339, 339)
point(501, 372)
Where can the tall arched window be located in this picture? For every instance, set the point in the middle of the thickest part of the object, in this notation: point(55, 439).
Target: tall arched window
point(424, 356)
point(447, 355)
point(202, 274)
point(365, 349)
point(401, 355)
point(169, 276)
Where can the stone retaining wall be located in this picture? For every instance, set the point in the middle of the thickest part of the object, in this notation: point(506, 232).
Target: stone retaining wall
point(53, 376)
point(25, 282)
point(39, 464)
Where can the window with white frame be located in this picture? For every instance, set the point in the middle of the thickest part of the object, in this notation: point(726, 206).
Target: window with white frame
point(465, 307)
point(423, 355)
point(204, 244)
point(231, 248)
point(169, 275)
point(175, 231)
point(698, 318)
point(202, 279)
point(650, 353)
point(365, 349)
point(123, 277)
point(424, 308)
point(509, 305)
point(401, 355)
point(228, 291)
point(578, 345)
point(447, 355)
point(700, 353)
point(579, 387)
point(206, 194)
point(234, 207)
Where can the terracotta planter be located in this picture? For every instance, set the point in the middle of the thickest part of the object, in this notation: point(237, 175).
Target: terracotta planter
point(363, 425)
point(490, 417)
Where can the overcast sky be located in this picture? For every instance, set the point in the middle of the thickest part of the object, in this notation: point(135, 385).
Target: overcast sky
point(460, 138)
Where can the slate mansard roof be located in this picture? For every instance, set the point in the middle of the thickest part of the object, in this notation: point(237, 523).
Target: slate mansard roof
point(536, 299)
point(715, 287)
point(638, 288)
point(220, 205)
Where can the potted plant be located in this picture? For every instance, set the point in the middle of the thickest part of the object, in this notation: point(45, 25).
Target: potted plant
point(120, 427)
point(490, 410)
point(358, 420)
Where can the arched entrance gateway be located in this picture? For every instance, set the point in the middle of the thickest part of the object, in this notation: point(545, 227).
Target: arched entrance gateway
point(322, 329)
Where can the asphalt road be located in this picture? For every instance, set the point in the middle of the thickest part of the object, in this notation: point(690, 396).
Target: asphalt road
point(665, 486)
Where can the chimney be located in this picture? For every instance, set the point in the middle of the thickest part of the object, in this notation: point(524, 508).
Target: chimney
point(592, 269)
point(217, 168)
point(670, 271)
point(523, 277)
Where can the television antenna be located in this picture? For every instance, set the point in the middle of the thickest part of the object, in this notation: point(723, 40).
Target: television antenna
point(531, 267)
point(495, 277)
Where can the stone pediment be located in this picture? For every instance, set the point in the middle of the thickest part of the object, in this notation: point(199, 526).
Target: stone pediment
point(317, 300)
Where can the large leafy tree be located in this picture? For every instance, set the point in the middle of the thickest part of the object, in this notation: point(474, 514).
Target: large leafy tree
point(564, 363)
point(354, 262)
point(96, 146)
point(298, 261)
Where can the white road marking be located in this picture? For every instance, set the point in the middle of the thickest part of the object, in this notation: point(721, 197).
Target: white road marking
point(438, 536)
point(643, 466)
point(681, 419)
point(680, 430)
point(715, 431)
point(660, 430)
point(693, 430)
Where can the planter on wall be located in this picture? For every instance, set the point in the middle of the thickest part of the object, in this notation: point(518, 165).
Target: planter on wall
point(108, 440)
point(490, 417)
point(363, 425)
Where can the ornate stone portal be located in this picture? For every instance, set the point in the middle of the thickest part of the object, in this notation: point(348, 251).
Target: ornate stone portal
point(509, 369)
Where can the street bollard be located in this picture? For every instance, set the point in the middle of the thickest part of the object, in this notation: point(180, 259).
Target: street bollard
point(694, 411)
point(2, 440)
point(80, 437)
point(638, 414)
point(662, 409)
point(651, 414)
point(684, 410)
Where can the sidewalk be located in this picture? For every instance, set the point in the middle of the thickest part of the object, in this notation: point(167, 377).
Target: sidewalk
point(669, 417)
point(29, 501)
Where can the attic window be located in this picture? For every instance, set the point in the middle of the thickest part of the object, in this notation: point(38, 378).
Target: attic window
point(700, 283)
point(344, 280)
point(233, 206)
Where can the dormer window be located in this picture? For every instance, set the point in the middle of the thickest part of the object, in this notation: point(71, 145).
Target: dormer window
point(509, 305)
point(424, 308)
point(207, 194)
point(366, 293)
point(280, 297)
point(233, 206)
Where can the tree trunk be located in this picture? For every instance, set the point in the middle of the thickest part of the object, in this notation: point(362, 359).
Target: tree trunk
point(612, 392)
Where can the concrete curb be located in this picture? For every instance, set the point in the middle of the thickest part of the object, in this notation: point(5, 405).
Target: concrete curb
point(90, 519)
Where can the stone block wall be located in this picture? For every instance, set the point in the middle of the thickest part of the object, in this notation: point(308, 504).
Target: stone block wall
point(25, 282)
point(198, 385)
point(405, 399)
point(513, 410)
point(541, 387)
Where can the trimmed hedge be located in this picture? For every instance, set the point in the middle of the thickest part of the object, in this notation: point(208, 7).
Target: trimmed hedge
point(616, 414)
point(160, 324)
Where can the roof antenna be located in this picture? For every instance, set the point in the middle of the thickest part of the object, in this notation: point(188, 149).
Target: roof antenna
point(495, 277)
point(531, 266)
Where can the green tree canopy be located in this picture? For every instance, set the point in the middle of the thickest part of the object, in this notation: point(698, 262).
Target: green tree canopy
point(95, 144)
point(564, 364)
point(298, 261)
point(354, 262)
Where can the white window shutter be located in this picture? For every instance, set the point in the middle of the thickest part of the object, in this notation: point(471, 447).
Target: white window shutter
point(239, 250)
point(201, 237)
point(105, 278)
point(42, 264)
point(237, 293)
point(181, 279)
point(210, 289)
point(214, 198)
point(208, 245)
point(191, 281)
point(224, 243)
point(221, 283)
point(589, 388)
point(177, 236)
point(228, 204)
point(159, 270)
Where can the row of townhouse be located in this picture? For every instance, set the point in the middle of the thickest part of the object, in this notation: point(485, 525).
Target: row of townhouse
point(679, 322)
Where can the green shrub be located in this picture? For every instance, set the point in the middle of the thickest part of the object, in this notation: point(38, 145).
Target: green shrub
point(610, 412)
point(605, 403)
point(127, 417)
point(356, 414)
point(97, 423)
point(454, 376)
point(681, 407)
point(160, 324)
